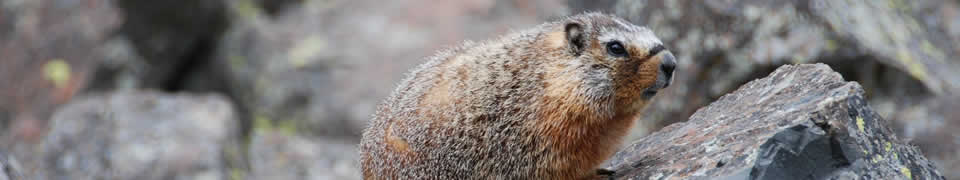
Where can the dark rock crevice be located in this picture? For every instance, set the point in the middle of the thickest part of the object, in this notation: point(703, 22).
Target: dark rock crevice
point(174, 38)
point(194, 62)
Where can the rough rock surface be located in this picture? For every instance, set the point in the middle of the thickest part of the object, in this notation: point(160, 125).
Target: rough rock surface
point(900, 51)
point(800, 122)
point(722, 44)
point(914, 36)
point(276, 155)
point(48, 52)
point(139, 135)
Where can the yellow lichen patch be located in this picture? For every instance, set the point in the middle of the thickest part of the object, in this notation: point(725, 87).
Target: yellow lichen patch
point(906, 172)
point(237, 174)
point(877, 158)
point(831, 45)
point(915, 68)
point(286, 127)
point(233, 153)
point(860, 124)
point(237, 61)
point(932, 50)
point(58, 72)
point(246, 8)
point(887, 146)
point(899, 5)
point(301, 54)
point(261, 123)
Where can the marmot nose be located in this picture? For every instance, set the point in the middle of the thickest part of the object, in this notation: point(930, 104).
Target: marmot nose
point(667, 64)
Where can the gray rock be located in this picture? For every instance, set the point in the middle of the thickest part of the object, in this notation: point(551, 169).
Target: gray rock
point(109, 44)
point(276, 155)
point(139, 135)
point(800, 122)
point(324, 65)
point(899, 51)
point(50, 51)
point(751, 33)
point(722, 44)
point(9, 168)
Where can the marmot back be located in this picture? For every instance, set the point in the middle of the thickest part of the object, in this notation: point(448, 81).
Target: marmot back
point(551, 102)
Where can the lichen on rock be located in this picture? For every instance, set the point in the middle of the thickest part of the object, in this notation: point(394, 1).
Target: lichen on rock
point(800, 122)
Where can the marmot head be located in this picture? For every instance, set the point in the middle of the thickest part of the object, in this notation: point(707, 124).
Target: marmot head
point(614, 59)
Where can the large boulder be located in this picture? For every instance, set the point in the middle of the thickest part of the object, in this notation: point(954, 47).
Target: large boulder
point(800, 122)
point(139, 135)
point(895, 48)
point(899, 51)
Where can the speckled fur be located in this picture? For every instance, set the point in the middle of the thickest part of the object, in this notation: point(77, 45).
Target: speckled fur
point(522, 106)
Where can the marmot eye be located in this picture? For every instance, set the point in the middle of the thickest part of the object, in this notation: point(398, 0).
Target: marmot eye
point(616, 49)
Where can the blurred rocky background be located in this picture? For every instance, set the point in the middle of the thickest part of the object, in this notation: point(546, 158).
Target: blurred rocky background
point(280, 89)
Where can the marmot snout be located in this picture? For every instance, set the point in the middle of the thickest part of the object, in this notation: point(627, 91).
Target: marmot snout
point(551, 102)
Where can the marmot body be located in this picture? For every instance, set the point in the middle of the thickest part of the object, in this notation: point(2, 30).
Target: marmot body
point(552, 102)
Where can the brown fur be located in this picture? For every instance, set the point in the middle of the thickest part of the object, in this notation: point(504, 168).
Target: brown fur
point(529, 105)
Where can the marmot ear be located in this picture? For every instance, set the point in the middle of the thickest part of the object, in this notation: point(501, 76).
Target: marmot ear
point(576, 39)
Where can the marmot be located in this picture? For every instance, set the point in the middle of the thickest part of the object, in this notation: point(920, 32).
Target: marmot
point(551, 102)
